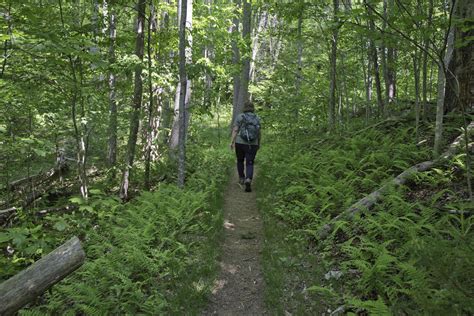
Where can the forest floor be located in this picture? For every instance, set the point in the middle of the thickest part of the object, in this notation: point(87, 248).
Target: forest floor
point(239, 288)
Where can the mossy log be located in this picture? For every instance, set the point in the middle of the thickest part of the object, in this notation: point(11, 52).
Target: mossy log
point(41, 275)
point(370, 200)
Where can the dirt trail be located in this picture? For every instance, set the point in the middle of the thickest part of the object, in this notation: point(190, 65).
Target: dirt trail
point(238, 289)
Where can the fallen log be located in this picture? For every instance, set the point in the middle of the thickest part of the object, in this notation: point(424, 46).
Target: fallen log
point(39, 178)
point(22, 288)
point(7, 211)
point(377, 195)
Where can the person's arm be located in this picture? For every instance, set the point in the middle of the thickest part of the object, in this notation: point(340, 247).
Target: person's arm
point(234, 135)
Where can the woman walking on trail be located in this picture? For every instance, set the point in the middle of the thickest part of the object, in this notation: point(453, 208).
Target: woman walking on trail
point(246, 141)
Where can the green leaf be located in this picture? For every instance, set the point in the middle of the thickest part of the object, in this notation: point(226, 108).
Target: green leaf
point(321, 290)
point(95, 191)
point(4, 237)
point(60, 226)
point(87, 208)
point(40, 152)
point(77, 200)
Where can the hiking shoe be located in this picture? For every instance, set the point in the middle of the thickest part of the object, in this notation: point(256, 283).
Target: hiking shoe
point(248, 188)
point(241, 181)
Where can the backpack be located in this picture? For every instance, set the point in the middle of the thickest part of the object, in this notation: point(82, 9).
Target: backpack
point(249, 127)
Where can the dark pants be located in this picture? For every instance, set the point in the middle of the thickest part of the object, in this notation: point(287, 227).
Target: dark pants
point(247, 153)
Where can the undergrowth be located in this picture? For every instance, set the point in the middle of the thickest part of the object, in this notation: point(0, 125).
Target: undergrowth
point(153, 255)
point(411, 254)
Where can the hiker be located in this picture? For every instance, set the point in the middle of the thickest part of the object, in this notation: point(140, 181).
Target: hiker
point(246, 141)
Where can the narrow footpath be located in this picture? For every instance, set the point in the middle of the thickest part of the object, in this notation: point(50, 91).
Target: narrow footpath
point(239, 287)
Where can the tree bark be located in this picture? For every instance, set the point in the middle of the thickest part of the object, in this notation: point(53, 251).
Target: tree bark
point(236, 64)
point(261, 22)
point(112, 142)
point(137, 101)
point(442, 68)
point(388, 59)
point(299, 43)
point(426, 46)
point(416, 70)
point(245, 74)
point(175, 136)
point(182, 94)
point(375, 63)
point(333, 65)
point(41, 275)
point(460, 81)
point(149, 129)
point(7, 43)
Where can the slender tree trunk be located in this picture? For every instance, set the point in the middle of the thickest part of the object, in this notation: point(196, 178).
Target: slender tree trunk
point(378, 85)
point(390, 76)
point(460, 80)
point(236, 64)
point(137, 101)
point(426, 46)
point(383, 51)
point(112, 143)
point(243, 95)
point(150, 123)
point(416, 70)
point(174, 139)
point(299, 72)
point(7, 43)
point(76, 99)
point(261, 22)
point(208, 49)
point(332, 72)
point(441, 94)
point(367, 79)
point(374, 56)
point(182, 95)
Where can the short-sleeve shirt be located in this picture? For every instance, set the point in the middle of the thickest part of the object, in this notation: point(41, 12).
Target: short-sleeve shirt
point(238, 123)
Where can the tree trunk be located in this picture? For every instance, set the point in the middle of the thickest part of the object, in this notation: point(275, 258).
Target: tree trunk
point(137, 101)
point(416, 70)
point(261, 22)
point(208, 55)
point(299, 43)
point(367, 82)
point(460, 82)
point(150, 130)
point(443, 62)
point(375, 63)
point(7, 43)
point(79, 133)
point(236, 64)
point(245, 74)
point(41, 275)
point(175, 136)
point(112, 143)
point(332, 71)
point(426, 46)
point(182, 95)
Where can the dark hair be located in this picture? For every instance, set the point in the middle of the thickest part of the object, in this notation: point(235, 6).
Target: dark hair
point(249, 107)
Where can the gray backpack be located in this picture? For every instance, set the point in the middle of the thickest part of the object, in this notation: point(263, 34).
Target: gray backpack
point(249, 127)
